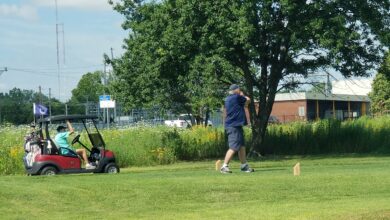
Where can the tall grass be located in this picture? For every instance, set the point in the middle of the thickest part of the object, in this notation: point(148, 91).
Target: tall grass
point(197, 143)
point(142, 146)
point(139, 146)
point(11, 149)
point(364, 135)
point(150, 146)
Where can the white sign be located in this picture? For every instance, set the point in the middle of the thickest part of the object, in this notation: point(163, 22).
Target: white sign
point(107, 104)
point(301, 111)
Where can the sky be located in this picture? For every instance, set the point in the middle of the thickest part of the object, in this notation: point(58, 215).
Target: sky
point(28, 42)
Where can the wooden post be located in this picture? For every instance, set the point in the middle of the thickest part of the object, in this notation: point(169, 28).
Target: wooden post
point(364, 109)
point(334, 110)
point(349, 109)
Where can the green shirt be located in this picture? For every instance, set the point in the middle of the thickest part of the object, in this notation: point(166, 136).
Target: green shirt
point(61, 140)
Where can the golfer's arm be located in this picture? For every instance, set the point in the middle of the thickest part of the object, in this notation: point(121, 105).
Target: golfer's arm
point(71, 130)
point(248, 100)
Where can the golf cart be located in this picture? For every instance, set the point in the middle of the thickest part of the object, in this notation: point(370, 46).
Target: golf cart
point(43, 157)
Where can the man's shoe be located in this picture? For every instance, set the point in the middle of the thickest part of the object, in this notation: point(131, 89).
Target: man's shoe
point(225, 170)
point(247, 169)
point(89, 166)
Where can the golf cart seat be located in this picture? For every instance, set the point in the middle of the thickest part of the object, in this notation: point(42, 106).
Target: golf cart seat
point(63, 151)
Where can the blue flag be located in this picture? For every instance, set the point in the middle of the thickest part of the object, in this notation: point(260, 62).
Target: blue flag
point(40, 109)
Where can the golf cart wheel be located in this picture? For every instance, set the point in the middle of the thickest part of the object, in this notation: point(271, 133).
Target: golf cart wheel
point(111, 168)
point(49, 171)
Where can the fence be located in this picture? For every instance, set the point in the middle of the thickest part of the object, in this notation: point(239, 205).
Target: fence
point(119, 117)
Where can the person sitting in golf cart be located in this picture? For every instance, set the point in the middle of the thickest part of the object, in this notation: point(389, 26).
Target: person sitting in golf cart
point(65, 148)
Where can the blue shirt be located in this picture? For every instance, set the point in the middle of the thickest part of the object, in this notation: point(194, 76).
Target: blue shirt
point(235, 111)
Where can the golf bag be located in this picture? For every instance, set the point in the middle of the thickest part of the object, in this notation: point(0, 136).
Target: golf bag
point(31, 149)
point(30, 154)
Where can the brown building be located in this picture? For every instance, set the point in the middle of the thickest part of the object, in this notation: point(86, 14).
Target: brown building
point(305, 106)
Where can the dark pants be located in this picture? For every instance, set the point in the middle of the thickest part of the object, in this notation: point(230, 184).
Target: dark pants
point(235, 137)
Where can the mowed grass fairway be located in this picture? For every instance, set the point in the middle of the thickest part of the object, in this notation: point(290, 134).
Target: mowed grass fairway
point(329, 188)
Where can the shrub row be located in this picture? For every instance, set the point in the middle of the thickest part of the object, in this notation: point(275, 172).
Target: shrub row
point(364, 135)
point(144, 146)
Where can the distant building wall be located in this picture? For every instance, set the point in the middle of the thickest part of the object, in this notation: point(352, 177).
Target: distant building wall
point(287, 111)
point(303, 106)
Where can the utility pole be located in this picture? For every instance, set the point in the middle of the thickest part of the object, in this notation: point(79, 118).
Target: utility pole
point(328, 88)
point(40, 99)
point(58, 54)
point(105, 84)
point(66, 109)
point(108, 118)
point(104, 88)
point(112, 58)
point(86, 106)
point(40, 95)
point(50, 102)
point(1, 72)
point(63, 42)
point(105, 80)
point(112, 53)
point(58, 31)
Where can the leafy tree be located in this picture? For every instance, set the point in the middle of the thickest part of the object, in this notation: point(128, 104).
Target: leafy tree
point(151, 74)
point(16, 106)
point(88, 88)
point(257, 43)
point(380, 94)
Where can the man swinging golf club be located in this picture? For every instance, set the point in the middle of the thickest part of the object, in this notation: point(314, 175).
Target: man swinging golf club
point(235, 118)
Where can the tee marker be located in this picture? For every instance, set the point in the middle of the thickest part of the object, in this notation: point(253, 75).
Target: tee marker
point(297, 169)
point(218, 165)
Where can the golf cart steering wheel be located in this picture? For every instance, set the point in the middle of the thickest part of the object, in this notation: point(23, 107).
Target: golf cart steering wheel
point(76, 139)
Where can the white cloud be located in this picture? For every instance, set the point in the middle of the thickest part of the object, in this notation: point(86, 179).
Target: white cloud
point(79, 4)
point(20, 11)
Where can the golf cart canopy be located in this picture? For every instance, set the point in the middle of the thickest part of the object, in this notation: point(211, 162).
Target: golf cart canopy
point(66, 117)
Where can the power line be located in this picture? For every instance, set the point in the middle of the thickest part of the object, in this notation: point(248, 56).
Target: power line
point(328, 75)
point(44, 73)
point(358, 96)
point(353, 82)
point(55, 69)
point(3, 70)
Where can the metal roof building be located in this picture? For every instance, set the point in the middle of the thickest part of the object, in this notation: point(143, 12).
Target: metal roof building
point(308, 106)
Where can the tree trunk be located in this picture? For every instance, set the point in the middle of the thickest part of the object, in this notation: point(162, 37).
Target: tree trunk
point(259, 125)
point(206, 120)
